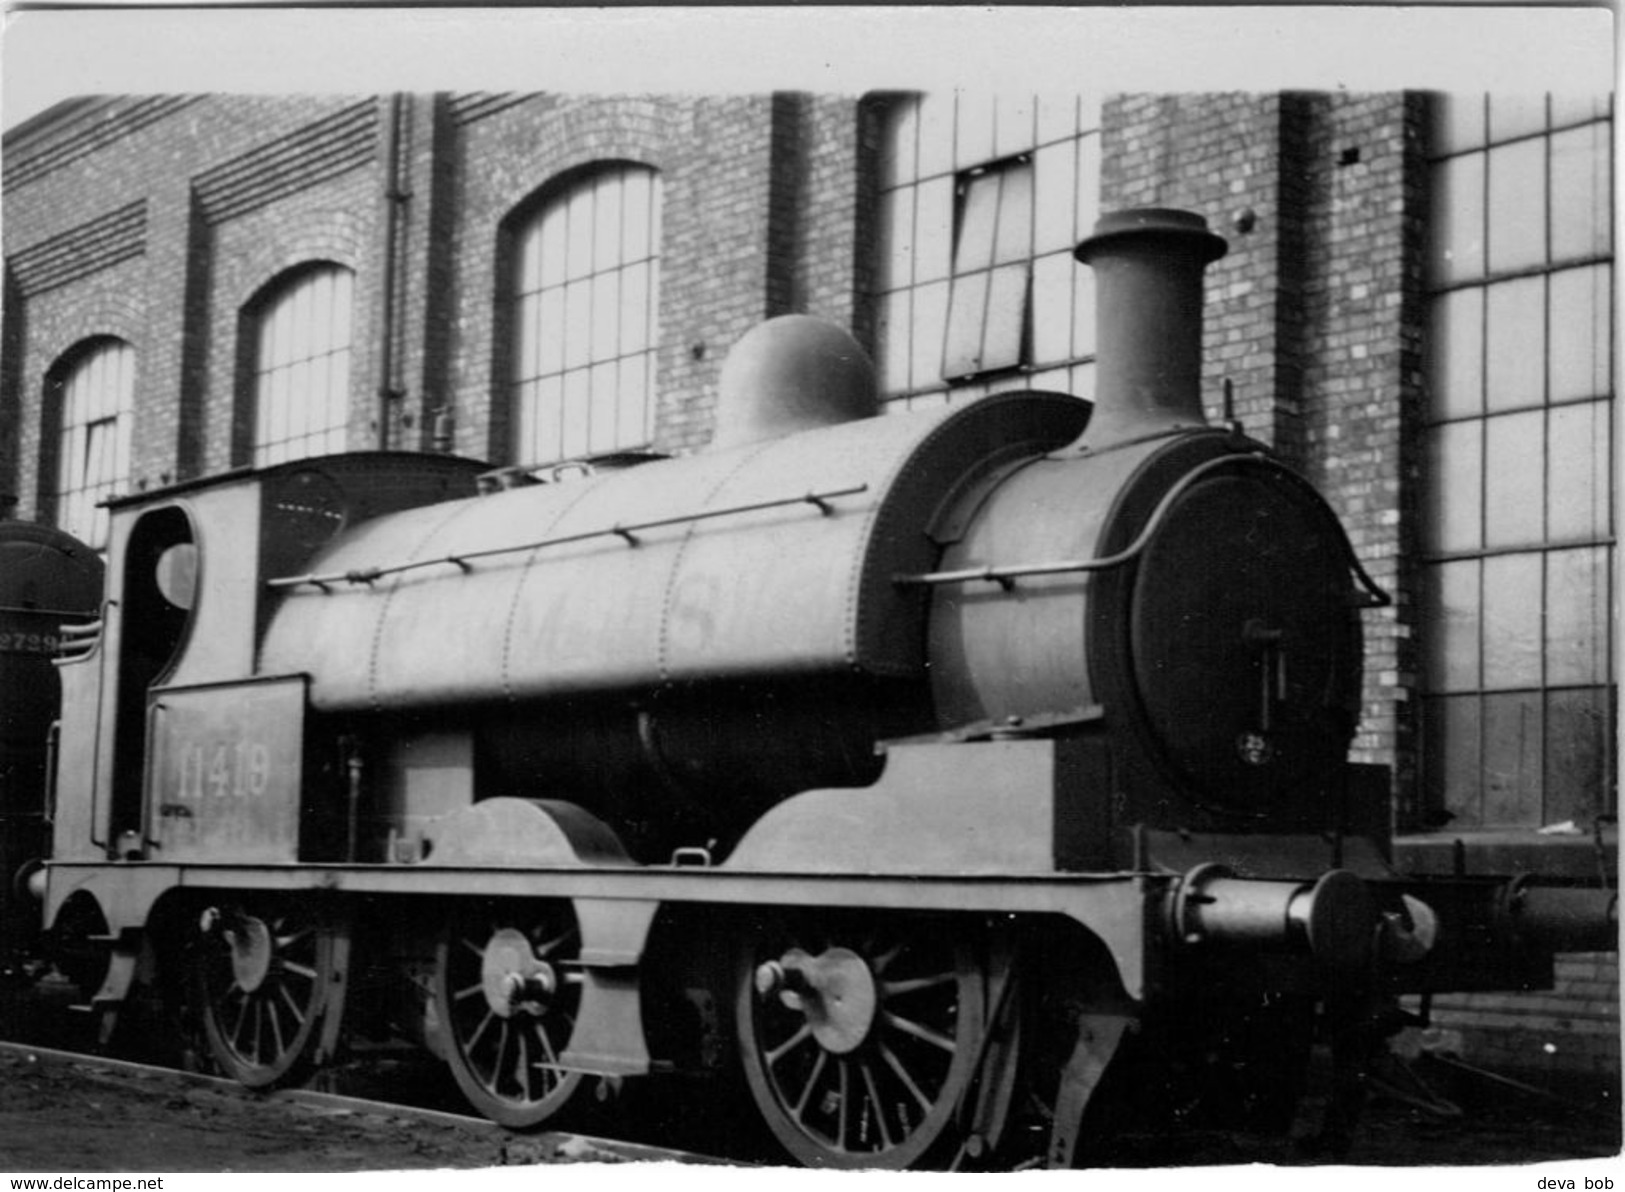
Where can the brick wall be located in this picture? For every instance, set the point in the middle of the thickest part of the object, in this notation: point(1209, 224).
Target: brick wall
point(760, 217)
point(59, 193)
point(714, 158)
point(1220, 156)
point(248, 256)
point(232, 190)
point(1361, 319)
point(107, 303)
point(1567, 1039)
point(832, 260)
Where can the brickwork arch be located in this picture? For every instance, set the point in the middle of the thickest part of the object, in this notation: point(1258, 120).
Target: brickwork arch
point(713, 157)
point(53, 384)
point(554, 195)
point(340, 238)
point(567, 135)
point(112, 314)
point(632, 127)
point(61, 326)
point(563, 180)
point(250, 314)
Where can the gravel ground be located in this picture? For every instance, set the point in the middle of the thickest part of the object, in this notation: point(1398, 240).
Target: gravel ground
point(84, 1117)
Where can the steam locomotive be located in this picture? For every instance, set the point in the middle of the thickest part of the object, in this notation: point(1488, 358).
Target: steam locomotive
point(918, 772)
point(50, 582)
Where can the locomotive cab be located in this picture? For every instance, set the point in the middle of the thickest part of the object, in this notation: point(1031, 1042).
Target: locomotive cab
point(202, 754)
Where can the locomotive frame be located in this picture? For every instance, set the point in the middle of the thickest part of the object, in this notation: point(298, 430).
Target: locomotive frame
point(952, 866)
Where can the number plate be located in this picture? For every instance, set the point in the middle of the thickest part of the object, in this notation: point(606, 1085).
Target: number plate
point(15, 641)
point(223, 780)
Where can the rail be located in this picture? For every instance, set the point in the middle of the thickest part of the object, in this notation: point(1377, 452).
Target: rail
point(544, 1147)
point(626, 532)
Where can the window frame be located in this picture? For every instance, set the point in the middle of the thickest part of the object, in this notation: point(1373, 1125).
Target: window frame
point(572, 344)
point(266, 319)
point(989, 293)
point(933, 150)
point(72, 499)
point(1496, 672)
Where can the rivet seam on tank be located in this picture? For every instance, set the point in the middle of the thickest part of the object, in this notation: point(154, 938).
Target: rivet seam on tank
point(950, 416)
point(856, 608)
point(668, 600)
point(395, 581)
point(523, 575)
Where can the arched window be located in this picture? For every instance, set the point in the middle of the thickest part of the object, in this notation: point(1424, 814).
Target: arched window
point(585, 300)
point(300, 336)
point(96, 389)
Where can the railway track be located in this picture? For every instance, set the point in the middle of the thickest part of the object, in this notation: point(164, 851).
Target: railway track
point(387, 1110)
point(74, 1088)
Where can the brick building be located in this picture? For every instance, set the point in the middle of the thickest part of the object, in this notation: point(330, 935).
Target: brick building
point(1415, 309)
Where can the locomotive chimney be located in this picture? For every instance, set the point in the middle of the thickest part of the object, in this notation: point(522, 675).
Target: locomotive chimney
point(1148, 266)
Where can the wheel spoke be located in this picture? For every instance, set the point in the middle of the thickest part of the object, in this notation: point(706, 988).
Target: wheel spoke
point(925, 1033)
point(896, 1065)
point(303, 970)
point(522, 1067)
point(293, 1006)
point(258, 1015)
point(545, 1065)
point(468, 991)
point(474, 1039)
point(880, 1106)
point(276, 1027)
point(284, 943)
point(812, 1080)
point(915, 984)
point(554, 944)
point(880, 960)
point(803, 1033)
point(236, 1031)
point(496, 1063)
point(845, 1075)
point(547, 1043)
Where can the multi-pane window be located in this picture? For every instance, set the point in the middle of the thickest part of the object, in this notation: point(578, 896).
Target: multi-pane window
point(301, 371)
point(585, 317)
point(1519, 523)
point(93, 454)
point(982, 199)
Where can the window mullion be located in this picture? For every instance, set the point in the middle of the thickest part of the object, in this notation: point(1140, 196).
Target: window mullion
point(1527, 688)
point(587, 364)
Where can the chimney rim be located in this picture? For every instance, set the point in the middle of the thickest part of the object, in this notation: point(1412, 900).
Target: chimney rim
point(1162, 227)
